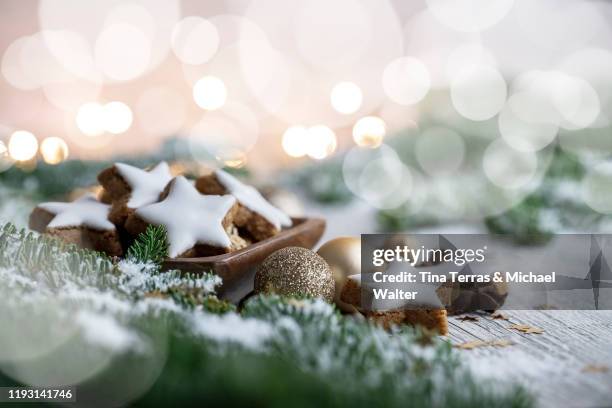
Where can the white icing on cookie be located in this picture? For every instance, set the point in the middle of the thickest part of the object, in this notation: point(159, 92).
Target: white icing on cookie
point(253, 200)
point(146, 185)
point(190, 218)
point(87, 211)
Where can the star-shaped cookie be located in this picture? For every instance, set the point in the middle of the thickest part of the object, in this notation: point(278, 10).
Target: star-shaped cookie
point(86, 211)
point(190, 218)
point(249, 197)
point(146, 185)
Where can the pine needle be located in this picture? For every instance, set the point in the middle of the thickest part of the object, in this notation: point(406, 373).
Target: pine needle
point(150, 246)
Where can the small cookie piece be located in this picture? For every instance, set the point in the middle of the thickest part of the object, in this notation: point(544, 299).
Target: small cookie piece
point(351, 291)
point(238, 242)
point(260, 218)
point(432, 319)
point(83, 222)
point(196, 224)
point(129, 187)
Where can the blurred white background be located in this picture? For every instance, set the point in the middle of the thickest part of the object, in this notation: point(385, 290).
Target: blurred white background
point(278, 82)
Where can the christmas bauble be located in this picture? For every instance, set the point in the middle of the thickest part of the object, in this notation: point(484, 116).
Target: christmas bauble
point(344, 258)
point(295, 271)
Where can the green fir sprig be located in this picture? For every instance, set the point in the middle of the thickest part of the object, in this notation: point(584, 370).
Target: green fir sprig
point(51, 261)
point(150, 246)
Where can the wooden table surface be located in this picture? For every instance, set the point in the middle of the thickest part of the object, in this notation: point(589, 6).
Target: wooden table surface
point(568, 365)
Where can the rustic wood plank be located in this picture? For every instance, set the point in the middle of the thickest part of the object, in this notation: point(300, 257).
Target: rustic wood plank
point(550, 364)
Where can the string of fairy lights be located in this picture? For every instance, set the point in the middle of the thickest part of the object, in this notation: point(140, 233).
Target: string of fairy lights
point(122, 42)
point(209, 93)
point(93, 119)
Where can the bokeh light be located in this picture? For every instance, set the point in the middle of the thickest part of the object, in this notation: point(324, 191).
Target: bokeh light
point(195, 40)
point(210, 93)
point(596, 190)
point(551, 26)
point(295, 141)
point(70, 93)
point(22, 145)
point(38, 63)
point(385, 197)
point(478, 92)
point(73, 52)
point(161, 111)
point(440, 151)
point(321, 44)
point(595, 66)
point(28, 64)
point(363, 170)
point(369, 131)
point(346, 97)
point(406, 80)
point(321, 142)
point(576, 101)
point(94, 119)
point(399, 117)
point(508, 168)
point(433, 43)
point(136, 33)
point(6, 161)
point(266, 71)
point(16, 346)
point(54, 150)
point(523, 135)
point(392, 60)
point(531, 96)
point(291, 61)
point(298, 68)
point(12, 68)
point(470, 16)
point(122, 52)
point(90, 119)
point(466, 55)
point(554, 97)
point(228, 133)
point(117, 117)
point(237, 162)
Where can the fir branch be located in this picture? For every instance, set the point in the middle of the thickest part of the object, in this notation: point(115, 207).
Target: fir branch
point(55, 264)
point(198, 290)
point(210, 303)
point(52, 262)
point(150, 246)
point(306, 346)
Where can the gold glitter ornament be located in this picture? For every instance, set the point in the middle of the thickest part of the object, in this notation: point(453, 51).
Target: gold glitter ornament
point(344, 258)
point(295, 271)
